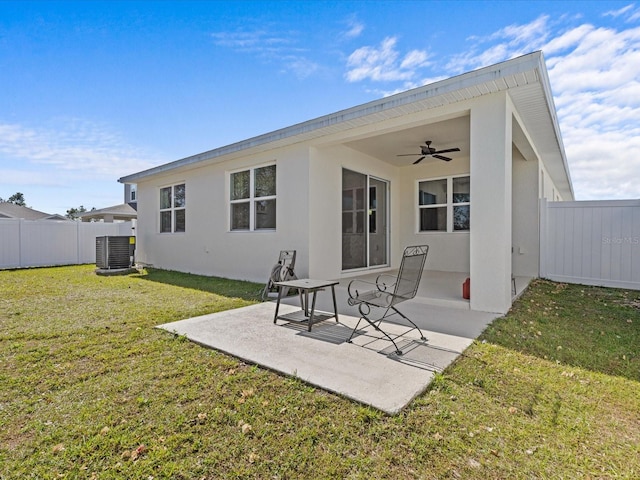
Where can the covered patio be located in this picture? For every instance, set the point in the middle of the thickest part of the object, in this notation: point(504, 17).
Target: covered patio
point(444, 289)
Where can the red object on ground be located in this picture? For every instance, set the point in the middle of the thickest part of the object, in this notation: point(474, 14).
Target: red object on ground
point(466, 289)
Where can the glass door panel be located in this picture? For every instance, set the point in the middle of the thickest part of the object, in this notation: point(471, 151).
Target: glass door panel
point(354, 235)
point(364, 221)
point(377, 222)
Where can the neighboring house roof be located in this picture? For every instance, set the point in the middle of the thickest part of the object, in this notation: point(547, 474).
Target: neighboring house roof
point(11, 210)
point(525, 78)
point(119, 212)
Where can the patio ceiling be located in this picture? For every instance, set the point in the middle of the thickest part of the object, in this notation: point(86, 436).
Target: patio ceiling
point(444, 134)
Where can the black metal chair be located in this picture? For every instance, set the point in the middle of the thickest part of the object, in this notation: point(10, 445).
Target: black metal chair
point(388, 292)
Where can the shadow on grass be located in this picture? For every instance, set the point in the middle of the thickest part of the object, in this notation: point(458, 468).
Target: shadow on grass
point(249, 291)
point(593, 328)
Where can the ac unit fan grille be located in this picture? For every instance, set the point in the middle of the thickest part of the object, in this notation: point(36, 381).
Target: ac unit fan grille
point(114, 252)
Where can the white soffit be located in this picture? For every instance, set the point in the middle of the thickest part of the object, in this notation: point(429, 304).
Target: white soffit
point(521, 76)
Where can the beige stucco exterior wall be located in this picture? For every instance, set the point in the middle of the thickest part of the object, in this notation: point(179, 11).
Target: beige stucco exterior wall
point(448, 252)
point(208, 246)
point(325, 190)
point(491, 215)
point(548, 188)
point(525, 225)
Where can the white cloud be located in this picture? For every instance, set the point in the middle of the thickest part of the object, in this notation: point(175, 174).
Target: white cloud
point(596, 84)
point(567, 39)
point(595, 78)
point(281, 47)
point(384, 63)
point(74, 148)
point(67, 163)
point(300, 66)
point(508, 42)
point(251, 41)
point(414, 59)
point(621, 11)
point(526, 34)
point(13, 176)
point(355, 28)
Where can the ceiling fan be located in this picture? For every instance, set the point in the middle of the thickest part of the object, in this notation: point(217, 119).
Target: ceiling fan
point(427, 150)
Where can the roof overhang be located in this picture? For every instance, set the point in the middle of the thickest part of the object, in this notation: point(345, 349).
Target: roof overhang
point(525, 78)
point(123, 210)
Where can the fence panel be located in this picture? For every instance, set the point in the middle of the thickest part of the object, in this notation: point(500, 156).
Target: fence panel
point(591, 242)
point(39, 243)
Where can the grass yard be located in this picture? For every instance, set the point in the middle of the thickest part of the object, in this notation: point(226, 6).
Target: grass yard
point(89, 389)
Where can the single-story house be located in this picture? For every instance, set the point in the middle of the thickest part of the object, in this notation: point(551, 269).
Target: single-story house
point(117, 213)
point(347, 191)
point(124, 212)
point(11, 210)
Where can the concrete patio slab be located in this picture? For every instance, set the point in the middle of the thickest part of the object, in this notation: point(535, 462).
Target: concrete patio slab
point(366, 370)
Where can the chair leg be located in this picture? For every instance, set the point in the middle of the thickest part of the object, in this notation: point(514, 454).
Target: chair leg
point(354, 331)
point(373, 324)
point(422, 337)
point(398, 351)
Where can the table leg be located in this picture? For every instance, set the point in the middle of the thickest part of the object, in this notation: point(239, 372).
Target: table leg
point(302, 304)
point(275, 317)
point(313, 309)
point(335, 306)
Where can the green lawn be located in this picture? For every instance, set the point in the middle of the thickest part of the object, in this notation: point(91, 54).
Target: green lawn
point(89, 389)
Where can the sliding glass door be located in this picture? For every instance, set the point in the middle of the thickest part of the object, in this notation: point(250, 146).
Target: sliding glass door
point(365, 236)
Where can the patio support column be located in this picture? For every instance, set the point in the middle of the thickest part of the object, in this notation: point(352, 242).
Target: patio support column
point(491, 189)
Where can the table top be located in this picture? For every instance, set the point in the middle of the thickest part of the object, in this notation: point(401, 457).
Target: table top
point(307, 283)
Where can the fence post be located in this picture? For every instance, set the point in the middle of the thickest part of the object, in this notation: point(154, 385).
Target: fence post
point(20, 249)
point(77, 242)
point(543, 237)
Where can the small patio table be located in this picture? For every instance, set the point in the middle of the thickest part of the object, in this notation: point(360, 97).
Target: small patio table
point(306, 286)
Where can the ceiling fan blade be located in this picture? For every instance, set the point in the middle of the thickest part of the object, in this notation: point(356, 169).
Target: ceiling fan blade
point(418, 160)
point(446, 159)
point(408, 154)
point(447, 150)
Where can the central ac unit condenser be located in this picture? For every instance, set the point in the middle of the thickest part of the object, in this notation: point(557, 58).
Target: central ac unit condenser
point(115, 252)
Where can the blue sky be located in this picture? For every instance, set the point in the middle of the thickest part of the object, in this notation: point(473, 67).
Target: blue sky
point(93, 91)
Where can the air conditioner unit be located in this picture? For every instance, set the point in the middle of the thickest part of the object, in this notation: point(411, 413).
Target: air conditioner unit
point(115, 252)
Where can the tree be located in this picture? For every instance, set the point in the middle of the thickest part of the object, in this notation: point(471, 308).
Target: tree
point(16, 198)
point(73, 213)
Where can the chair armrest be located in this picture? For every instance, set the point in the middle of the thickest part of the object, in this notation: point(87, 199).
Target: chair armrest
point(357, 286)
point(385, 282)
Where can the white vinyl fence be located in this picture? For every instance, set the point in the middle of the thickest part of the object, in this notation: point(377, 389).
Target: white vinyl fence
point(40, 243)
point(591, 242)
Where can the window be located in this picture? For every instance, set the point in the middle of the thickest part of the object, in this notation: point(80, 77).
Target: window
point(444, 204)
point(172, 209)
point(132, 193)
point(253, 199)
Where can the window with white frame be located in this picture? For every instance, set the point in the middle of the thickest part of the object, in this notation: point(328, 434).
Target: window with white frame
point(173, 208)
point(444, 204)
point(253, 199)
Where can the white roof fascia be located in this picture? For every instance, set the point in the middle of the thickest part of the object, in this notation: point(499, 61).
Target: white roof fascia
point(502, 76)
point(546, 85)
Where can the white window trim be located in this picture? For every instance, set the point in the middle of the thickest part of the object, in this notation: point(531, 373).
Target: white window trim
point(449, 205)
point(252, 198)
point(172, 209)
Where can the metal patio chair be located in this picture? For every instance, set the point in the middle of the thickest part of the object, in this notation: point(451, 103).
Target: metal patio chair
point(280, 272)
point(388, 291)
